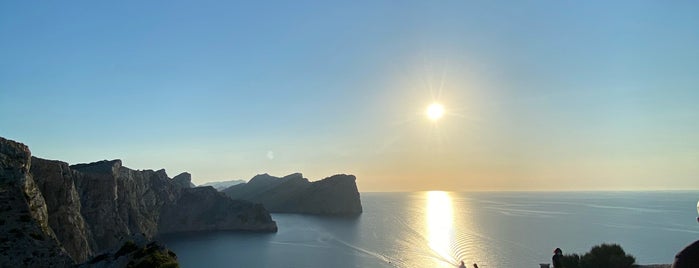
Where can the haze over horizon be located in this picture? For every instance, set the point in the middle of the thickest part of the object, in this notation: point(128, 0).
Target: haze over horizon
point(545, 95)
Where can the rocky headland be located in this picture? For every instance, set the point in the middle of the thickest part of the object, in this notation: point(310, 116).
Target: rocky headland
point(336, 195)
point(54, 214)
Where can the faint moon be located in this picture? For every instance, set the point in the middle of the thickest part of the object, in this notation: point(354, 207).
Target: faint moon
point(270, 155)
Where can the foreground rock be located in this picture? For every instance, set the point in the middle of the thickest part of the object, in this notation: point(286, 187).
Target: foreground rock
point(26, 240)
point(72, 213)
point(335, 195)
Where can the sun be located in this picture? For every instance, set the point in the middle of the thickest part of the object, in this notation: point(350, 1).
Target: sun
point(435, 111)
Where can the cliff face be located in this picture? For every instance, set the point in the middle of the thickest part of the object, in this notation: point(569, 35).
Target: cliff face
point(204, 208)
point(26, 240)
point(55, 180)
point(118, 201)
point(72, 213)
point(335, 195)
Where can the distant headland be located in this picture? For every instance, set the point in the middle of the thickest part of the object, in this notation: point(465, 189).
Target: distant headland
point(336, 195)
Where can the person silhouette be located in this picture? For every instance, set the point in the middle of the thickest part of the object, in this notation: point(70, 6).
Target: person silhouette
point(688, 256)
point(462, 265)
point(556, 259)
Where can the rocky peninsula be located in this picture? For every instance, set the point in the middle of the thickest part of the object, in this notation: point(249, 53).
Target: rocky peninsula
point(54, 214)
point(336, 195)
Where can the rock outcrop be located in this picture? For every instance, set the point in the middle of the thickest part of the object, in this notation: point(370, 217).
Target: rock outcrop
point(73, 213)
point(184, 180)
point(26, 240)
point(335, 195)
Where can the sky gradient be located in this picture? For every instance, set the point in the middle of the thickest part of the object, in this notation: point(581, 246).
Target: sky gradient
point(539, 95)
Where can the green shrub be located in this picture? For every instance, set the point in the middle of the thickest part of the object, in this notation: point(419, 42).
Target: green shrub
point(607, 256)
point(157, 259)
point(571, 261)
point(600, 256)
point(127, 248)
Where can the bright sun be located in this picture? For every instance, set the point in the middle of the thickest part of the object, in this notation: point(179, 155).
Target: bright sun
point(435, 111)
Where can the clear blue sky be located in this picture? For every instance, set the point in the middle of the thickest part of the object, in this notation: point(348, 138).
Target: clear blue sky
point(539, 94)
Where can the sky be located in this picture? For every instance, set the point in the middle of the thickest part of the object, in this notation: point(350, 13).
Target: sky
point(538, 95)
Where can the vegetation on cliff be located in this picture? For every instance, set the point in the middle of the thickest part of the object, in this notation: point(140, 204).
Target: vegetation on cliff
point(600, 256)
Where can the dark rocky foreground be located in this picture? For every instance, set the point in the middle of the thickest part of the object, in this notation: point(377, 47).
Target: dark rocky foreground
point(335, 195)
point(56, 215)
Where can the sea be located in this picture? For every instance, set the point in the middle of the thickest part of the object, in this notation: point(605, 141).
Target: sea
point(441, 229)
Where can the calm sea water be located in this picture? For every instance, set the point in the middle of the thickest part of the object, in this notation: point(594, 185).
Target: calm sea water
point(439, 229)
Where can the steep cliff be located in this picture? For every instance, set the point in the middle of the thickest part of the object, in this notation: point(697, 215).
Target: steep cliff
point(26, 239)
point(74, 212)
point(204, 208)
point(118, 202)
point(335, 195)
point(55, 180)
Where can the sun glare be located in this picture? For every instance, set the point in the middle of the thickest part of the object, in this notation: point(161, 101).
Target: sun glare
point(435, 111)
point(440, 225)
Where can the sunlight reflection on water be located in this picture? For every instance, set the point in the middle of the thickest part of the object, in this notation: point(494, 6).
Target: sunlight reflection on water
point(440, 226)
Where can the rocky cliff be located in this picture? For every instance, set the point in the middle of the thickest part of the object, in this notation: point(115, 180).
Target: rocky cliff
point(74, 212)
point(204, 208)
point(335, 195)
point(55, 179)
point(184, 180)
point(118, 201)
point(26, 240)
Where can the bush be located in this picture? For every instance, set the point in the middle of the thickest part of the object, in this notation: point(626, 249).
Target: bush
point(600, 256)
point(157, 259)
point(127, 248)
point(571, 261)
point(607, 256)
